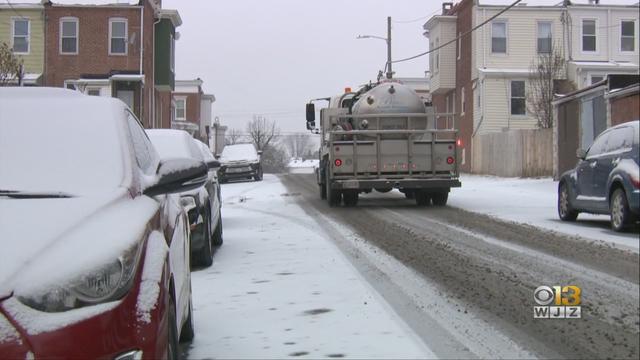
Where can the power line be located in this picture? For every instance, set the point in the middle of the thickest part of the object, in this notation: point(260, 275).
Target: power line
point(460, 36)
point(14, 10)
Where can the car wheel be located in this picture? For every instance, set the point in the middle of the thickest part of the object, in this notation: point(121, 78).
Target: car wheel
point(422, 197)
point(217, 234)
point(409, 194)
point(188, 332)
point(565, 211)
point(172, 341)
point(440, 198)
point(205, 255)
point(350, 198)
point(620, 213)
point(333, 196)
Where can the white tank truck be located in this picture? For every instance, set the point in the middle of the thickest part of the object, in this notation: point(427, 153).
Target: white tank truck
point(384, 137)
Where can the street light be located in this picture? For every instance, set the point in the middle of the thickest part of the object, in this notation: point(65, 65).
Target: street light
point(388, 41)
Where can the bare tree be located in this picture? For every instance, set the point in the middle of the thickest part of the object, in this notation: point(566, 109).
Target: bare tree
point(10, 65)
point(233, 136)
point(547, 67)
point(262, 131)
point(298, 144)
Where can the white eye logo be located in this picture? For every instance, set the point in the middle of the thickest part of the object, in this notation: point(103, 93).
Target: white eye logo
point(543, 295)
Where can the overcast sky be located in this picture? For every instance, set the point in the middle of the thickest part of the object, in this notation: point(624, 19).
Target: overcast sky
point(271, 56)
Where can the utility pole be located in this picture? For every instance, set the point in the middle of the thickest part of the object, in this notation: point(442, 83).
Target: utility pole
point(389, 68)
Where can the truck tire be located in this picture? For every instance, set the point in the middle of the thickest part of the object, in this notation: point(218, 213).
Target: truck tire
point(333, 196)
point(440, 198)
point(323, 191)
point(350, 198)
point(409, 194)
point(422, 197)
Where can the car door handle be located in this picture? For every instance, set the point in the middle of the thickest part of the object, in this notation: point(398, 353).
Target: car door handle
point(615, 161)
point(593, 164)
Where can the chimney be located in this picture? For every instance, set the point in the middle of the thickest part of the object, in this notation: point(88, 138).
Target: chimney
point(446, 7)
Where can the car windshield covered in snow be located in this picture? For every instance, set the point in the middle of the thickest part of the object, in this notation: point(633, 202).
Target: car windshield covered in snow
point(66, 152)
point(239, 152)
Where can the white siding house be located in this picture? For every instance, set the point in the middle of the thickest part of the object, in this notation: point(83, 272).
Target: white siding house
point(440, 30)
point(503, 53)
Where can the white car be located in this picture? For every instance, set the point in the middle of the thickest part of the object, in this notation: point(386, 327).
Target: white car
point(95, 248)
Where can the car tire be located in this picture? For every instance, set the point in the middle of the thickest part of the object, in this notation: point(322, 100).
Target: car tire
point(188, 330)
point(333, 196)
point(205, 256)
point(620, 212)
point(217, 233)
point(409, 194)
point(440, 198)
point(172, 332)
point(422, 197)
point(565, 211)
point(350, 198)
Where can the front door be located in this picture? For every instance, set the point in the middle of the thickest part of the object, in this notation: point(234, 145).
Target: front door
point(127, 97)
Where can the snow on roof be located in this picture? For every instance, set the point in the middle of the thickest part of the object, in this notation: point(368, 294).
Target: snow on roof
point(174, 144)
point(604, 64)
point(239, 152)
point(299, 163)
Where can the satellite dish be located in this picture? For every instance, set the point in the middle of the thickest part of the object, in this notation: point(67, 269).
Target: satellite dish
point(177, 35)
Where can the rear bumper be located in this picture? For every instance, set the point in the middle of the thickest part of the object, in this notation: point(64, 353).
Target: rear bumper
point(366, 184)
point(237, 175)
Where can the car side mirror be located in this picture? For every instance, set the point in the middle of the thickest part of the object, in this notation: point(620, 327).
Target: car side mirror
point(311, 113)
point(217, 156)
point(259, 152)
point(581, 154)
point(213, 164)
point(178, 175)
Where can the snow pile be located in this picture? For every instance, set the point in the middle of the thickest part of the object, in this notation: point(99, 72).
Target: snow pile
point(151, 276)
point(239, 152)
point(174, 144)
point(299, 166)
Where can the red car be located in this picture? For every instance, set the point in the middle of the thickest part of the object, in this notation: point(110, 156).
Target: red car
point(94, 259)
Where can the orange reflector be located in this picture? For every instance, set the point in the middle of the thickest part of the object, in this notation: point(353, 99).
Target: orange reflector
point(459, 142)
point(450, 160)
point(347, 90)
point(338, 162)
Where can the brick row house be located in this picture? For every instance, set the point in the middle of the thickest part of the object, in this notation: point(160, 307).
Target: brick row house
point(125, 50)
point(193, 108)
point(484, 77)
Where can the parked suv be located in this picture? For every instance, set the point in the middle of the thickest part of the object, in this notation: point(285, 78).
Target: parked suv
point(94, 259)
point(240, 161)
point(202, 204)
point(606, 179)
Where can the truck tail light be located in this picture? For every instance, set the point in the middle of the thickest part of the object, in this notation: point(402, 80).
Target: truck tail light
point(459, 142)
point(338, 162)
point(450, 160)
point(636, 182)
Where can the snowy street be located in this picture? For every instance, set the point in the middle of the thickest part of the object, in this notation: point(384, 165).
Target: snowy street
point(386, 279)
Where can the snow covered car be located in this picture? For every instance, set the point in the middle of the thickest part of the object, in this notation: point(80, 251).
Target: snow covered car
point(202, 204)
point(240, 161)
point(606, 179)
point(95, 257)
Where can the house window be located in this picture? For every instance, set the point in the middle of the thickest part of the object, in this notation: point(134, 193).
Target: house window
point(172, 52)
point(431, 58)
point(117, 36)
point(93, 92)
point(596, 78)
point(21, 36)
point(69, 36)
point(589, 35)
point(437, 54)
point(518, 104)
point(181, 109)
point(627, 35)
point(499, 37)
point(459, 45)
point(463, 105)
point(544, 37)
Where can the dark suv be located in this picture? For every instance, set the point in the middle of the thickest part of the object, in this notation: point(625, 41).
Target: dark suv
point(240, 161)
point(606, 179)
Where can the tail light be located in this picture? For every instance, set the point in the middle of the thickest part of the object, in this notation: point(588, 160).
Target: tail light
point(636, 182)
point(338, 162)
point(459, 142)
point(450, 160)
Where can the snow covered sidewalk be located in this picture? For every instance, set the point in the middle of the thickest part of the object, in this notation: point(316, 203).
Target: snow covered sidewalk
point(533, 202)
point(280, 288)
